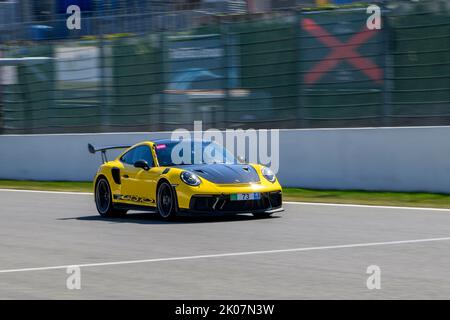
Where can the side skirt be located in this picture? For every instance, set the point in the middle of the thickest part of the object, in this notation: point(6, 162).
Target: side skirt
point(124, 206)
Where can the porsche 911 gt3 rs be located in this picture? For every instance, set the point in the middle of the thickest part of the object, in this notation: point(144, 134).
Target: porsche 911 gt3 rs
point(145, 177)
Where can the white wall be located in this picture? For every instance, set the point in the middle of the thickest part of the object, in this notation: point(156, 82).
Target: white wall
point(402, 159)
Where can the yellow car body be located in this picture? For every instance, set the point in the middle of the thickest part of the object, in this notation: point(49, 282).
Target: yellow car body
point(134, 187)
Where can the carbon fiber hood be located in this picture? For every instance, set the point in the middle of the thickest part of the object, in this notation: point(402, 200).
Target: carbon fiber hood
point(224, 173)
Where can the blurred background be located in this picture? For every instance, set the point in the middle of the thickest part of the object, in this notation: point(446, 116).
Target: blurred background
point(158, 65)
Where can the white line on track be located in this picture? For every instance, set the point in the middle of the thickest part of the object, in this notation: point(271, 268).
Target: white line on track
point(287, 202)
point(44, 191)
point(234, 254)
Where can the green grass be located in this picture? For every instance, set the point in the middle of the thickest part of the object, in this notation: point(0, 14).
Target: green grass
point(432, 200)
point(407, 199)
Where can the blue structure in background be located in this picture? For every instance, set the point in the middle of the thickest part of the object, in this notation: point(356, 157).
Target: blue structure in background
point(85, 5)
point(343, 1)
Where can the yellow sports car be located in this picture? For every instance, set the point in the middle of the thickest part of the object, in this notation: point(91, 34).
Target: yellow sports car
point(198, 178)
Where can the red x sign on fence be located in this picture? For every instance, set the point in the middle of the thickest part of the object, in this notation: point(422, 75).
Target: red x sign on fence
point(341, 51)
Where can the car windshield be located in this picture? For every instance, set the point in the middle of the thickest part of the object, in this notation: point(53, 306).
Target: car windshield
point(192, 152)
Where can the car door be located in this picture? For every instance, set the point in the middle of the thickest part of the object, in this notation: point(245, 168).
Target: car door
point(137, 183)
point(145, 180)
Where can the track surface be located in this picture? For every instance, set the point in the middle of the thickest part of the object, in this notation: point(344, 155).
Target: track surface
point(49, 229)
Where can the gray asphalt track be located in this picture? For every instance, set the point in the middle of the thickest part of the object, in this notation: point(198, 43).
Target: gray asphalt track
point(48, 229)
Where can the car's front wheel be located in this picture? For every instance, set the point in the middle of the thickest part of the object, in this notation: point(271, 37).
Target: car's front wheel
point(103, 200)
point(166, 201)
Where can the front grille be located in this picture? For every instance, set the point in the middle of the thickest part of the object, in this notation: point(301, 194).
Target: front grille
point(222, 203)
point(202, 203)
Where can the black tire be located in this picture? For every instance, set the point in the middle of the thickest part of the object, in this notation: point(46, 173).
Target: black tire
point(262, 215)
point(166, 203)
point(103, 200)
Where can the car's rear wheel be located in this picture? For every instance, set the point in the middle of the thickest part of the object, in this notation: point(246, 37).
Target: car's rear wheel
point(166, 202)
point(103, 200)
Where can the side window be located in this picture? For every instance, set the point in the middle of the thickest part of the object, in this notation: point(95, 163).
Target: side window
point(128, 157)
point(143, 153)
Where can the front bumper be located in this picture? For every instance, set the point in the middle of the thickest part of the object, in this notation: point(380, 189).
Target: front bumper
point(270, 202)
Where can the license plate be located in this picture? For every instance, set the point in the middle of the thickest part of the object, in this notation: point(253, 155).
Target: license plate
point(244, 196)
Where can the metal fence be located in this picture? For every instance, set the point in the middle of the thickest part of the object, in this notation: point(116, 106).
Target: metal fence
point(291, 69)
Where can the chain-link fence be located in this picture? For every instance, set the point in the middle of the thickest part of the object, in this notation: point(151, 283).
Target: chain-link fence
point(291, 69)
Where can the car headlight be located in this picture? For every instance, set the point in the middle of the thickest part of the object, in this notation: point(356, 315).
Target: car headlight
point(190, 178)
point(268, 174)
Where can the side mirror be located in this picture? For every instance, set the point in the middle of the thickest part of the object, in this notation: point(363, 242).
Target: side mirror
point(142, 164)
point(241, 159)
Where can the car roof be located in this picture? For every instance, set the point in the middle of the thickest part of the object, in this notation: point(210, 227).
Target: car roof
point(164, 141)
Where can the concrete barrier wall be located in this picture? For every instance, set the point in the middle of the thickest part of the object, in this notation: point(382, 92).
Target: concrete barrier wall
point(397, 159)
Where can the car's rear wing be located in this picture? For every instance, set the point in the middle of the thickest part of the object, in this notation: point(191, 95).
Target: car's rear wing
point(93, 150)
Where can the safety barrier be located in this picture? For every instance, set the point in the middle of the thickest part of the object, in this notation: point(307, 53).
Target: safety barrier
point(294, 69)
point(396, 159)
